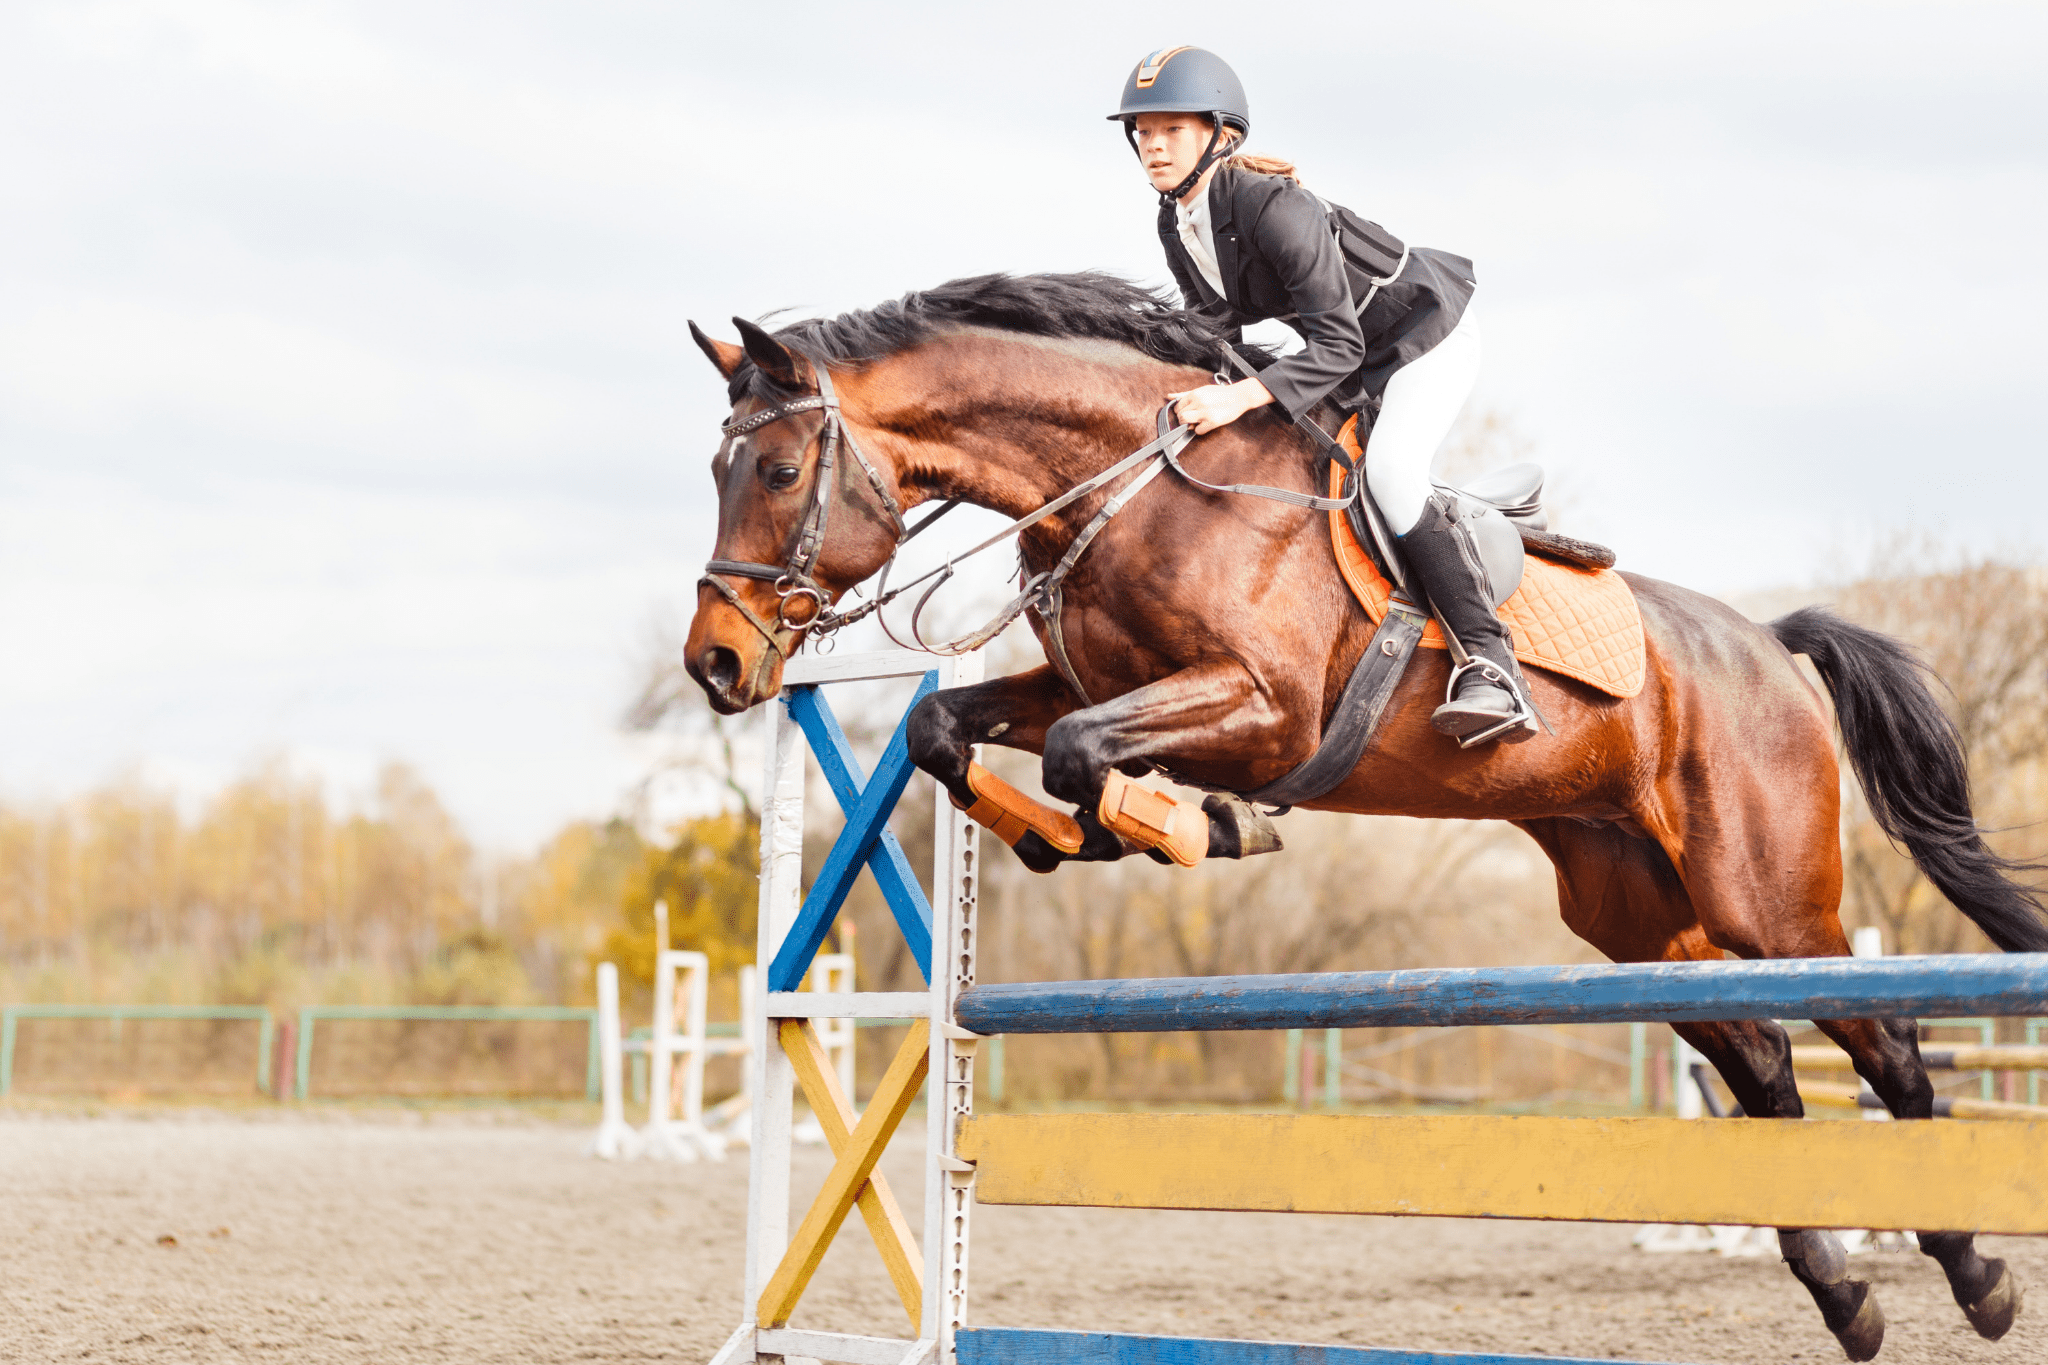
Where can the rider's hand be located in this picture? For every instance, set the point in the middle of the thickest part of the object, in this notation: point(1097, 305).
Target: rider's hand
point(1218, 405)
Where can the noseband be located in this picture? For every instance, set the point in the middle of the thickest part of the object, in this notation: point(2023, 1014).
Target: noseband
point(795, 580)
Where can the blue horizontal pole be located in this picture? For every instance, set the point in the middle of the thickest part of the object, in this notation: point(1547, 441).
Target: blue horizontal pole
point(1650, 992)
point(1018, 1346)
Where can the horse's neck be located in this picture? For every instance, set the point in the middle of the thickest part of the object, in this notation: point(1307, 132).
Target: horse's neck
point(1008, 424)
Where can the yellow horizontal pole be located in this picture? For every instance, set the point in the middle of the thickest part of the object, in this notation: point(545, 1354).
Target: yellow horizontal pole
point(1968, 1057)
point(849, 1174)
point(885, 1220)
point(1923, 1176)
point(1823, 1096)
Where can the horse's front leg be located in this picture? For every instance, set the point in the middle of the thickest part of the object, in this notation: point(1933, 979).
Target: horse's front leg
point(1015, 712)
point(1213, 712)
point(1020, 712)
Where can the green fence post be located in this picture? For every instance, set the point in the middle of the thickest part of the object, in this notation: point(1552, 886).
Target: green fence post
point(1290, 1088)
point(304, 1069)
point(1638, 1056)
point(6, 1050)
point(1987, 1031)
point(264, 1036)
point(1333, 1067)
point(593, 1071)
point(995, 1070)
point(2034, 1077)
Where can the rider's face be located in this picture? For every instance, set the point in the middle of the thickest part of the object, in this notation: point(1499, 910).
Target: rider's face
point(1169, 145)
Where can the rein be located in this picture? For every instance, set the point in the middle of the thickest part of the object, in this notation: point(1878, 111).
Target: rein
point(794, 580)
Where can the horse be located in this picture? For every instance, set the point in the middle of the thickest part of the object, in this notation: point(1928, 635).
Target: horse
point(1211, 635)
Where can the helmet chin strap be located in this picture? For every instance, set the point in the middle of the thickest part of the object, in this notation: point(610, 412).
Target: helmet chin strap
point(1210, 156)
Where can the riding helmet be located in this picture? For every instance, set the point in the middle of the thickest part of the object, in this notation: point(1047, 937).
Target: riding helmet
point(1185, 80)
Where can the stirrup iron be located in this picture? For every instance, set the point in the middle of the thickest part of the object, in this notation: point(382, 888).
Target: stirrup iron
point(1524, 718)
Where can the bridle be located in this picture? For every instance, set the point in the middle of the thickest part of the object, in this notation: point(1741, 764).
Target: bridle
point(795, 580)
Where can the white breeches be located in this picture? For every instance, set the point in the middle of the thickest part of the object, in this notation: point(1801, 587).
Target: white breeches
point(1421, 403)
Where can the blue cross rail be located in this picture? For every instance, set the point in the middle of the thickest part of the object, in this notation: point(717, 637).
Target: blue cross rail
point(868, 801)
point(1649, 992)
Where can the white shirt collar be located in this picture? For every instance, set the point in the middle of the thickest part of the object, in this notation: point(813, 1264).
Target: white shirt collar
point(1198, 235)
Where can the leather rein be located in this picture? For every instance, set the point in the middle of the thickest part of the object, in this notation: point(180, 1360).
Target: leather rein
point(794, 580)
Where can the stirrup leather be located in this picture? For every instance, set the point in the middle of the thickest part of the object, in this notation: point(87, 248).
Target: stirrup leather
point(1153, 819)
point(1010, 814)
point(1524, 719)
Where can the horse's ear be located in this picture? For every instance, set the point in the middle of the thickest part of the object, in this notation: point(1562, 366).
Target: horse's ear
point(724, 354)
point(773, 358)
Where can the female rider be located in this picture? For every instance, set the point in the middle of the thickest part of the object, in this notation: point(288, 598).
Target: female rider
point(1384, 326)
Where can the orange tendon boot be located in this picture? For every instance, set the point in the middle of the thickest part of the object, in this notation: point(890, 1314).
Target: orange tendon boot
point(1009, 813)
point(1179, 829)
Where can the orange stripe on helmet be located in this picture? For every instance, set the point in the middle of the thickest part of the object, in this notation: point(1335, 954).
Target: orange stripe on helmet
point(1149, 69)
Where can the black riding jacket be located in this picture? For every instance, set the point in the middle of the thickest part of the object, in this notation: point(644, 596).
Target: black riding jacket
point(1280, 257)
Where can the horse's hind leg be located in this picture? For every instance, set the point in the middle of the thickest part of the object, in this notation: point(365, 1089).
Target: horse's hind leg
point(1755, 1058)
point(1886, 1052)
point(1622, 894)
point(1764, 872)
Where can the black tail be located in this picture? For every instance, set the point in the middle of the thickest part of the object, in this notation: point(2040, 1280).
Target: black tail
point(1909, 757)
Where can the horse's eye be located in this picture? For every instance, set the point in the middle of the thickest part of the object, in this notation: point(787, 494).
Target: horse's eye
point(782, 476)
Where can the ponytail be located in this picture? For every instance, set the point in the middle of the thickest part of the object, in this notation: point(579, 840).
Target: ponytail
point(1263, 165)
point(1259, 165)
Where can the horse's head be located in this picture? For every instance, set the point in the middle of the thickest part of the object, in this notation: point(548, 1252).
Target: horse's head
point(803, 514)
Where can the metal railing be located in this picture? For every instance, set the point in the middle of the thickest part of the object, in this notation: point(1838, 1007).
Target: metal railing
point(488, 1013)
point(1340, 1063)
point(11, 1015)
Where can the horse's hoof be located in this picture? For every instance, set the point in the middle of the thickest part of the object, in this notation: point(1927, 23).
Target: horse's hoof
point(1036, 854)
point(1992, 1315)
point(1237, 829)
point(1864, 1335)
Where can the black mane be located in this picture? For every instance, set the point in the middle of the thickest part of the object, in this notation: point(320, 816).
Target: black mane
point(1090, 305)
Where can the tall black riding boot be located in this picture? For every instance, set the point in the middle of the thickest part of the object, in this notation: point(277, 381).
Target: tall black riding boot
point(1487, 694)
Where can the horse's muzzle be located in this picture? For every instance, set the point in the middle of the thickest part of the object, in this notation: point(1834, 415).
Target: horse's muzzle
point(717, 671)
point(730, 661)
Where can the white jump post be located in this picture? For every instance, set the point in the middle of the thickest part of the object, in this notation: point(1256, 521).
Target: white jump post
point(615, 1138)
point(931, 1280)
point(675, 1060)
point(728, 1117)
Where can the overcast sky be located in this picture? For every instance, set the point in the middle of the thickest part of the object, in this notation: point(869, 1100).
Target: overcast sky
point(348, 410)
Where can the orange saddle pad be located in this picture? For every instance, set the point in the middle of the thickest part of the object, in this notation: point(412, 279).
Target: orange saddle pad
point(1582, 623)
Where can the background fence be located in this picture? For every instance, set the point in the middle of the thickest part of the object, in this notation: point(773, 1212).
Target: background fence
point(142, 1049)
point(525, 1052)
point(461, 1050)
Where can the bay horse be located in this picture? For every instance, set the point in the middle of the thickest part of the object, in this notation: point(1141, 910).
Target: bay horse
point(1213, 635)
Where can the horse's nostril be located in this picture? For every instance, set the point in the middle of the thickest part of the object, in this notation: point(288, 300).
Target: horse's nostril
point(720, 667)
